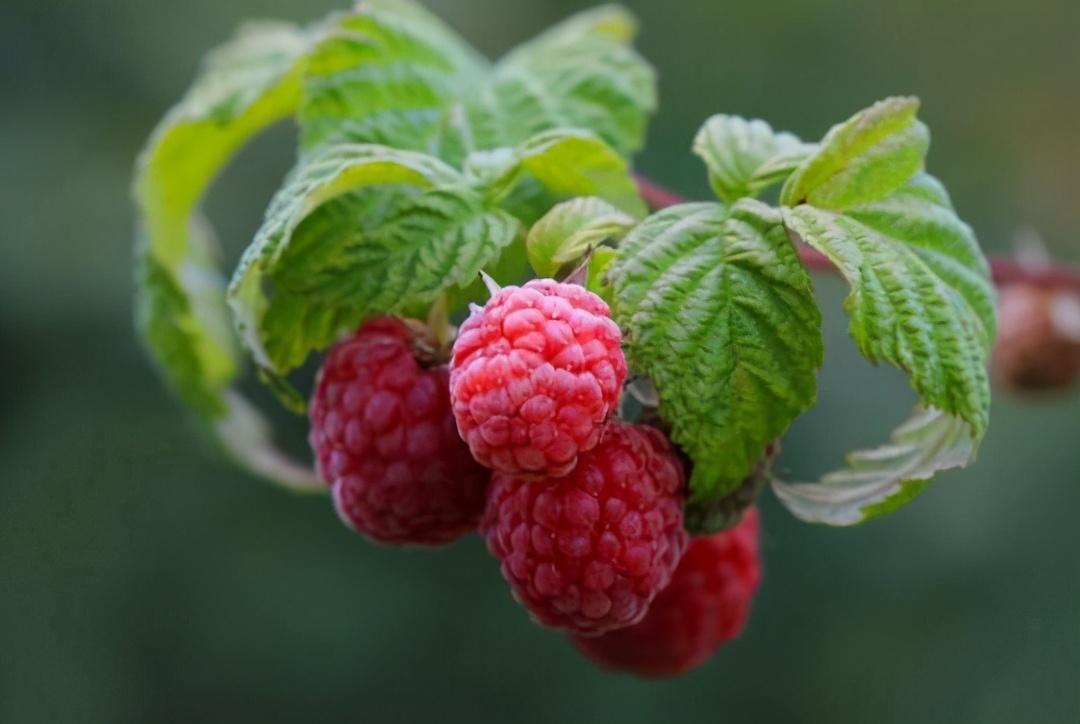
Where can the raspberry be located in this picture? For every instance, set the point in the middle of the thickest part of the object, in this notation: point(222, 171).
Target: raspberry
point(589, 551)
point(1038, 341)
point(705, 605)
point(535, 374)
point(386, 442)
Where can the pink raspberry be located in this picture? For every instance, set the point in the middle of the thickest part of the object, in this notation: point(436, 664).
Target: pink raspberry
point(534, 376)
point(589, 551)
point(705, 605)
point(386, 442)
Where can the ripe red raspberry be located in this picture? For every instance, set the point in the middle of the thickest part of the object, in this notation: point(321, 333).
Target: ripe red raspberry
point(705, 605)
point(535, 374)
point(386, 442)
point(589, 551)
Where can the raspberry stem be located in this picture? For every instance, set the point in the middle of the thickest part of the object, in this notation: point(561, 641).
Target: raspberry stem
point(245, 434)
point(439, 327)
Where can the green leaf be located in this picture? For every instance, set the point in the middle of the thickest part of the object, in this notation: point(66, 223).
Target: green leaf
point(189, 346)
point(746, 157)
point(604, 22)
point(511, 267)
point(921, 299)
point(331, 277)
point(920, 296)
point(718, 311)
point(580, 74)
point(393, 74)
point(863, 159)
point(359, 230)
point(570, 230)
point(559, 165)
point(246, 85)
point(881, 480)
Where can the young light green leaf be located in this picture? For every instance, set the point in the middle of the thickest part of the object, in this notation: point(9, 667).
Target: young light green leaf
point(746, 157)
point(245, 85)
point(331, 172)
point(921, 299)
point(881, 480)
point(188, 346)
point(391, 73)
point(570, 230)
point(582, 73)
point(488, 169)
point(718, 311)
point(251, 82)
point(558, 165)
point(863, 159)
point(608, 22)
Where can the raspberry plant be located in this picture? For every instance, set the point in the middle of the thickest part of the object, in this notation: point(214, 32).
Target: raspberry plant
point(421, 166)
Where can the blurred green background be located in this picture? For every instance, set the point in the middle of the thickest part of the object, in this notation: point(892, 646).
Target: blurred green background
point(143, 579)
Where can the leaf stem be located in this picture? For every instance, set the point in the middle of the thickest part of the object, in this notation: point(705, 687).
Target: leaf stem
point(1005, 270)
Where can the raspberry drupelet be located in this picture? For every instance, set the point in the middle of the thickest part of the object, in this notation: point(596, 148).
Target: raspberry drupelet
point(386, 443)
point(589, 551)
point(705, 605)
point(535, 374)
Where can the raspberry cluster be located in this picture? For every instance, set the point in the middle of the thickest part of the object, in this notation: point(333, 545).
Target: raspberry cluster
point(535, 375)
point(705, 605)
point(514, 438)
point(386, 443)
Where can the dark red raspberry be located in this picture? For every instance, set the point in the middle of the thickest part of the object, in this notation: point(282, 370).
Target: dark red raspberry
point(589, 551)
point(385, 440)
point(535, 374)
point(705, 605)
